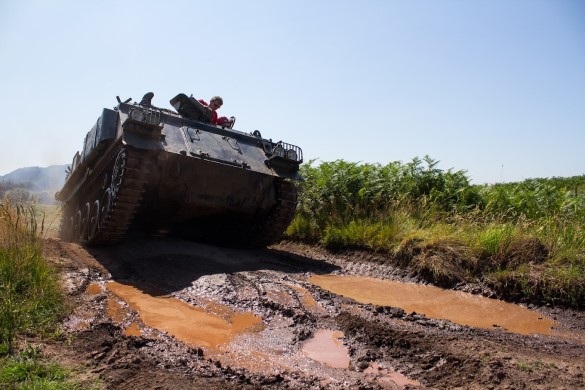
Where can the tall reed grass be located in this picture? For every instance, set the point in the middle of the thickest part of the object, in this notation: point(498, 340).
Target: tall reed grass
point(30, 295)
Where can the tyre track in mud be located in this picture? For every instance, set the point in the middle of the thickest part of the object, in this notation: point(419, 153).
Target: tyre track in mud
point(387, 347)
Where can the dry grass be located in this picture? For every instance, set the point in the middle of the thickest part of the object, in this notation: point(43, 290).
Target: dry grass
point(444, 262)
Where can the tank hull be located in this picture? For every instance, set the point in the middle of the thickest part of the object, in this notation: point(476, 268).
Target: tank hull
point(143, 168)
point(198, 188)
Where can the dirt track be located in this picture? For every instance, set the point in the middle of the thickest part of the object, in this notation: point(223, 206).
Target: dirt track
point(131, 326)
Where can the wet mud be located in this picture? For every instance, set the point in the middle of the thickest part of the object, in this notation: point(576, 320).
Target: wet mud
point(170, 314)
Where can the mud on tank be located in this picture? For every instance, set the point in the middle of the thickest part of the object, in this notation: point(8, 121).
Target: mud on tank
point(162, 171)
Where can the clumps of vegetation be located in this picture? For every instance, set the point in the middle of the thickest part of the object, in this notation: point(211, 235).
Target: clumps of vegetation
point(526, 240)
point(563, 285)
point(444, 262)
point(29, 370)
point(31, 299)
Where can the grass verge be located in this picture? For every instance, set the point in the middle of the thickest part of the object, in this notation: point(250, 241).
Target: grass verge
point(541, 261)
point(31, 299)
point(31, 302)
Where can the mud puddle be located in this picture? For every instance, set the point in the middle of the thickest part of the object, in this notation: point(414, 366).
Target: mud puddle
point(192, 325)
point(326, 347)
point(385, 376)
point(133, 330)
point(434, 302)
point(387, 348)
point(93, 289)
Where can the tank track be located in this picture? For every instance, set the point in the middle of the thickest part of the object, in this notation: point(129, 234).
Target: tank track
point(281, 215)
point(103, 215)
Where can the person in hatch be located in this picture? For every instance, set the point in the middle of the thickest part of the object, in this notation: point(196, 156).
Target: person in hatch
point(214, 104)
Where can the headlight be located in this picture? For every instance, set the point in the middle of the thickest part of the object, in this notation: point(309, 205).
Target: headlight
point(279, 151)
point(291, 154)
point(137, 115)
point(282, 154)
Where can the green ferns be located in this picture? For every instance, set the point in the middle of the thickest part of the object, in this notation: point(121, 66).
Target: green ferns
point(448, 231)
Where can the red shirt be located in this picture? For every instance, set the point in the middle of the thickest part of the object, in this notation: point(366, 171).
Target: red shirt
point(214, 113)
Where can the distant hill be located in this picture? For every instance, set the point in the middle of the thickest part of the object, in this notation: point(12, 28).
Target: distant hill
point(36, 179)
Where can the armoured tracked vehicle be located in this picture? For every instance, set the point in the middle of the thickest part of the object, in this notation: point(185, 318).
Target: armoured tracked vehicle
point(159, 170)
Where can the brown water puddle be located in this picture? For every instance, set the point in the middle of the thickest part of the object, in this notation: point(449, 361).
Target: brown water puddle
point(281, 297)
point(307, 299)
point(386, 376)
point(115, 310)
point(189, 324)
point(93, 289)
point(133, 330)
point(434, 302)
point(326, 347)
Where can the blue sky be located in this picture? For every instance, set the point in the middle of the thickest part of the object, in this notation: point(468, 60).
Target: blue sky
point(494, 87)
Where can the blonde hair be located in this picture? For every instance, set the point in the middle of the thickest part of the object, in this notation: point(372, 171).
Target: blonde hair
point(218, 98)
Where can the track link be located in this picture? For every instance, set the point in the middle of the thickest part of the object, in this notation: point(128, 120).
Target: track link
point(112, 205)
point(280, 217)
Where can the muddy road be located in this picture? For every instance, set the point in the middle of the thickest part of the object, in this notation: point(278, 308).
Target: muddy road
point(157, 313)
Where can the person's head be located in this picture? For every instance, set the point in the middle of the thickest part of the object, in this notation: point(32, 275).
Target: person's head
point(215, 102)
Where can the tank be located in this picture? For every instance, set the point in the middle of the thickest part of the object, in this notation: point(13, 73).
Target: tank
point(164, 171)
